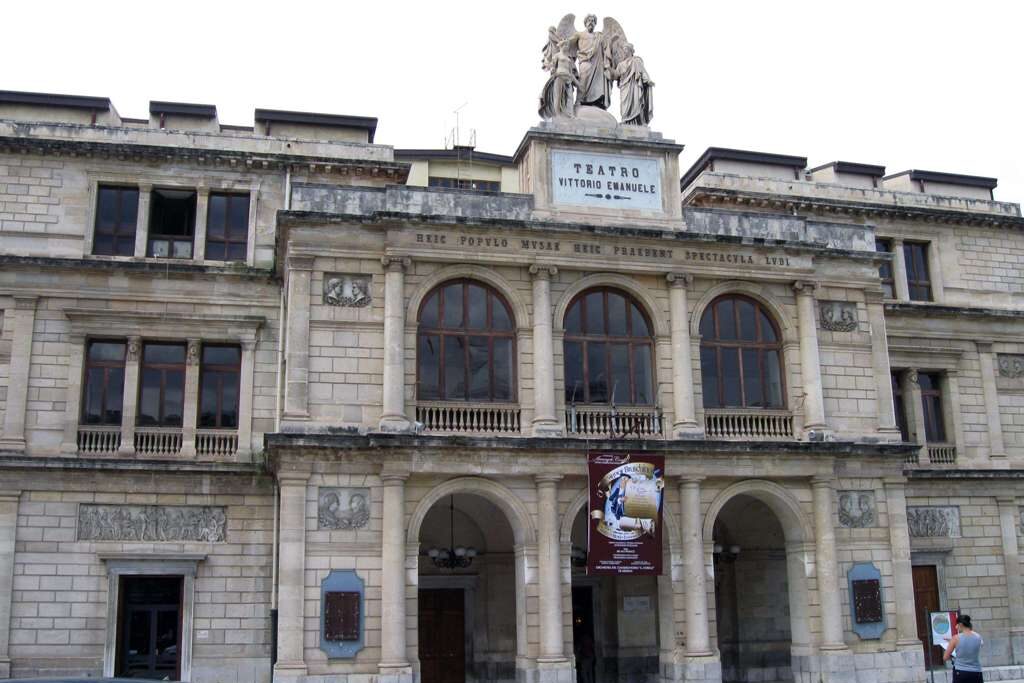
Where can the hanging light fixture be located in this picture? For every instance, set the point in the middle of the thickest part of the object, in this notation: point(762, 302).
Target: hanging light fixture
point(454, 556)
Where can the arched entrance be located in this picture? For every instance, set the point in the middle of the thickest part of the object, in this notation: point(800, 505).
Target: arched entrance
point(471, 536)
point(757, 535)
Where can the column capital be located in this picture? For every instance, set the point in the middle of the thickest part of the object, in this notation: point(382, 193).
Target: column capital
point(299, 262)
point(248, 344)
point(1006, 500)
point(76, 338)
point(823, 481)
point(203, 191)
point(894, 482)
point(24, 302)
point(546, 479)
point(873, 296)
point(897, 242)
point(804, 287)
point(293, 477)
point(192, 353)
point(393, 477)
point(542, 272)
point(133, 347)
point(395, 264)
point(983, 346)
point(912, 376)
point(677, 280)
point(10, 495)
point(691, 480)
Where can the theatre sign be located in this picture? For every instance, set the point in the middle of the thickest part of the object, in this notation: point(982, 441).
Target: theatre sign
point(606, 181)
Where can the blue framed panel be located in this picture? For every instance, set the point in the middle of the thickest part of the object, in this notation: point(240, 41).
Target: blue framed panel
point(867, 603)
point(342, 581)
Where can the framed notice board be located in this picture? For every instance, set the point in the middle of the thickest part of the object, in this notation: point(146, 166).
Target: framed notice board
point(342, 614)
point(867, 606)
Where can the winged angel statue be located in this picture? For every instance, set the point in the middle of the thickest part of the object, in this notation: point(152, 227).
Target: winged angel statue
point(589, 62)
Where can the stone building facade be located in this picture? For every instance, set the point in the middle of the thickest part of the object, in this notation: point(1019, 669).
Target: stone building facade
point(282, 403)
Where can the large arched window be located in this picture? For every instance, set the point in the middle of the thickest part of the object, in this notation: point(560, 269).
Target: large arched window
point(740, 355)
point(465, 346)
point(609, 350)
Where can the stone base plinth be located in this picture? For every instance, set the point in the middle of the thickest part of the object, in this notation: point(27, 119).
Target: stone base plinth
point(697, 670)
point(905, 665)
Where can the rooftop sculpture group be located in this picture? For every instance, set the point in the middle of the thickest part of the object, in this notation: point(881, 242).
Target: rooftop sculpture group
point(584, 64)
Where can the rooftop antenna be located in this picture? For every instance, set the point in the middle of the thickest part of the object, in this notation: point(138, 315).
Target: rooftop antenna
point(454, 142)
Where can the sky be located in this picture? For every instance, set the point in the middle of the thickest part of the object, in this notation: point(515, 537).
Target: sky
point(931, 85)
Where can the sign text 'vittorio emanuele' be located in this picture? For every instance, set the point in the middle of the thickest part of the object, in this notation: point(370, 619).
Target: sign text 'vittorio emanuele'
point(605, 181)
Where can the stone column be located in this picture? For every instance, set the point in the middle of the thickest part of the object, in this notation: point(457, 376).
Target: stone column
point(130, 398)
point(698, 640)
point(1009, 520)
point(190, 411)
point(291, 579)
point(245, 399)
point(393, 653)
point(916, 412)
point(682, 365)
point(545, 423)
point(987, 361)
point(13, 436)
point(142, 221)
point(827, 565)
point(549, 570)
point(899, 271)
point(886, 409)
point(202, 209)
point(952, 415)
point(8, 525)
point(810, 364)
point(73, 406)
point(393, 417)
point(903, 576)
point(296, 390)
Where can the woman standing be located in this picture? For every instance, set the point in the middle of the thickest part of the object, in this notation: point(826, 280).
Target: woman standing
point(967, 644)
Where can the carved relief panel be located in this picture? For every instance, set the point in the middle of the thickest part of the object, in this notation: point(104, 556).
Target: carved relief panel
point(343, 508)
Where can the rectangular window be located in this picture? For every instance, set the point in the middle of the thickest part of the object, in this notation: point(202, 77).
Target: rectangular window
point(885, 270)
point(103, 390)
point(162, 385)
point(117, 211)
point(919, 283)
point(465, 184)
point(218, 387)
point(900, 405)
point(227, 227)
point(172, 223)
point(931, 399)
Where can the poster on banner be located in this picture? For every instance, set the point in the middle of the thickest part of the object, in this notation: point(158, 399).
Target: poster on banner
point(943, 627)
point(624, 523)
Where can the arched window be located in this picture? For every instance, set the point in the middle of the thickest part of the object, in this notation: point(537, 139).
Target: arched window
point(609, 350)
point(465, 346)
point(740, 355)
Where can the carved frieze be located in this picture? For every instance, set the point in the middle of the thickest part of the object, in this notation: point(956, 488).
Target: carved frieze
point(351, 291)
point(857, 509)
point(151, 523)
point(838, 316)
point(934, 521)
point(1011, 366)
point(343, 508)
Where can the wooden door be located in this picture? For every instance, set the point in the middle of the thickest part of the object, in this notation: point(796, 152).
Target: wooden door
point(442, 636)
point(926, 599)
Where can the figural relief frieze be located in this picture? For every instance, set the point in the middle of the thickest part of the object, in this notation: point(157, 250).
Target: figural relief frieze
point(857, 509)
point(352, 291)
point(934, 521)
point(343, 508)
point(151, 523)
point(838, 316)
point(1011, 366)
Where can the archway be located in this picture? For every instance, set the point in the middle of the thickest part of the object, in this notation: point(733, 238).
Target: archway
point(757, 533)
point(471, 535)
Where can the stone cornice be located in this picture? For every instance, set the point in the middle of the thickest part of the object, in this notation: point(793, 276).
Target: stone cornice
point(98, 321)
point(944, 311)
point(972, 475)
point(147, 266)
point(19, 461)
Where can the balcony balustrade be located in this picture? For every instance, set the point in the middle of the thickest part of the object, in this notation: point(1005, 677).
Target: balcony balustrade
point(99, 439)
point(216, 442)
point(749, 425)
point(611, 421)
point(441, 417)
point(158, 440)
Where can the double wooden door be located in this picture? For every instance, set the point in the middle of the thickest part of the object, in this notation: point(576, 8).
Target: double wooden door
point(442, 635)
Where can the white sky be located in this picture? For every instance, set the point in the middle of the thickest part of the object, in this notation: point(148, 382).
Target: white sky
point(931, 85)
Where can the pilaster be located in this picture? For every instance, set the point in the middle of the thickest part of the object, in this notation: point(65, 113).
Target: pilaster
point(815, 427)
point(545, 423)
point(130, 398)
point(1009, 518)
point(296, 391)
point(685, 424)
point(912, 388)
point(202, 210)
point(698, 640)
point(899, 547)
point(549, 571)
point(827, 566)
point(986, 359)
point(8, 527)
point(142, 220)
point(245, 391)
point(13, 436)
point(886, 409)
point(393, 657)
point(393, 417)
point(899, 271)
point(73, 404)
point(291, 574)
point(190, 412)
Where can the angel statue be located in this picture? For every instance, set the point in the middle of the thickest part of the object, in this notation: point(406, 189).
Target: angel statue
point(556, 98)
point(636, 89)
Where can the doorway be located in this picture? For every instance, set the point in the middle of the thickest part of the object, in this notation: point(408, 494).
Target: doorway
point(926, 599)
point(149, 627)
point(442, 623)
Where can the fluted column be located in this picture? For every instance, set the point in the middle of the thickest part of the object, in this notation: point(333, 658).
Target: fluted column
point(698, 640)
point(549, 569)
point(291, 578)
point(682, 364)
point(902, 573)
point(296, 388)
point(1009, 520)
point(810, 363)
point(130, 397)
point(986, 359)
point(545, 423)
point(190, 411)
point(886, 409)
point(827, 565)
point(393, 417)
point(392, 611)
point(13, 436)
point(899, 271)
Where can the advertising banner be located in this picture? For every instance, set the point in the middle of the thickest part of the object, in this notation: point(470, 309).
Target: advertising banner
point(624, 524)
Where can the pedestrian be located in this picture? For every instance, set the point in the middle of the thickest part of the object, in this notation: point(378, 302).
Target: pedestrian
point(967, 645)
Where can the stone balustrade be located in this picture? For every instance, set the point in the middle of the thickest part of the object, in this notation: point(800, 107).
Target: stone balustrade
point(610, 421)
point(749, 425)
point(448, 417)
point(158, 440)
